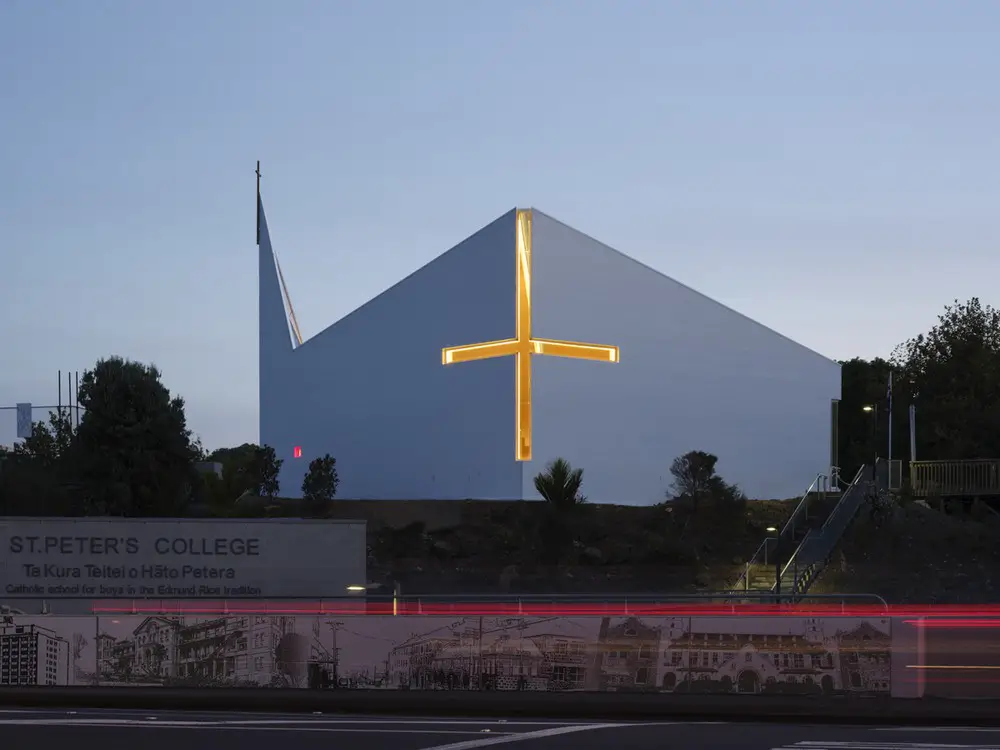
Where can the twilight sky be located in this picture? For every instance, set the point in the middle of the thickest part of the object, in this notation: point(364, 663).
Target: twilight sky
point(831, 169)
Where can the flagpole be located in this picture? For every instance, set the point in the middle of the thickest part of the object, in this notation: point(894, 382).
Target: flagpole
point(889, 456)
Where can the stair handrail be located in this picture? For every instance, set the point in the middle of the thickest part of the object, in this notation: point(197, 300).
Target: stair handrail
point(793, 560)
point(802, 505)
point(810, 536)
point(744, 579)
point(844, 499)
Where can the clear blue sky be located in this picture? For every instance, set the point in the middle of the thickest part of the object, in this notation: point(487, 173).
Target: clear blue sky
point(831, 169)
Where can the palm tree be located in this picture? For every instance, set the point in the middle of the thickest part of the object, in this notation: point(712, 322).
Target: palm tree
point(560, 486)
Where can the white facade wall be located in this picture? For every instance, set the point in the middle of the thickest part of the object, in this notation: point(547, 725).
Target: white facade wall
point(694, 375)
point(372, 392)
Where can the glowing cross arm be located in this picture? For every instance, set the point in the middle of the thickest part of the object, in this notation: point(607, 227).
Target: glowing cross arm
point(575, 350)
point(455, 354)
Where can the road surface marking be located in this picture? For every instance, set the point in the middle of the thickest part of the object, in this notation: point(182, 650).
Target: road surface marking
point(250, 723)
point(205, 726)
point(852, 745)
point(525, 736)
point(403, 722)
point(210, 718)
point(956, 730)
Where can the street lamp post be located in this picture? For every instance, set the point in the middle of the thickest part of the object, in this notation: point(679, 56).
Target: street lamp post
point(777, 562)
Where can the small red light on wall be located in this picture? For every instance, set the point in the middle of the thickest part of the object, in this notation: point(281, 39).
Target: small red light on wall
point(297, 451)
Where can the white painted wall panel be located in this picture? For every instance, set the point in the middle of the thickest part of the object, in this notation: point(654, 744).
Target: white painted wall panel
point(694, 375)
point(371, 389)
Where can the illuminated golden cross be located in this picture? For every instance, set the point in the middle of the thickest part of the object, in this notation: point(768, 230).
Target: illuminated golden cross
point(523, 346)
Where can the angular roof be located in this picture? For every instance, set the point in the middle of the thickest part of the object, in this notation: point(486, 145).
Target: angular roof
point(279, 330)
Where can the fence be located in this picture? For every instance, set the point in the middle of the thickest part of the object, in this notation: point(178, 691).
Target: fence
point(955, 478)
point(396, 604)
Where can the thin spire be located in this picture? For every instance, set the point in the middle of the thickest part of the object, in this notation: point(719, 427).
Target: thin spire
point(258, 202)
point(268, 265)
point(288, 301)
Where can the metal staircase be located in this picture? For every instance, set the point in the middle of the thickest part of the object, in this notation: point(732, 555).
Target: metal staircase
point(798, 554)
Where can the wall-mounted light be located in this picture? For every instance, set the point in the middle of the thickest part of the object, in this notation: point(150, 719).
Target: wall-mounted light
point(297, 451)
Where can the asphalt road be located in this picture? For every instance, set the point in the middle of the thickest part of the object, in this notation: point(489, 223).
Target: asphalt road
point(92, 729)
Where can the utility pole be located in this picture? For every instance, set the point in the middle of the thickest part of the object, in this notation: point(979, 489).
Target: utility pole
point(888, 397)
point(334, 627)
point(875, 443)
point(777, 570)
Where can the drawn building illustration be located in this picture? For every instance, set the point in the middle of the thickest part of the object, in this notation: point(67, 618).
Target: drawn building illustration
point(445, 659)
point(154, 649)
point(564, 660)
point(625, 655)
point(32, 655)
point(244, 650)
point(823, 657)
point(865, 654)
point(493, 655)
point(105, 656)
point(512, 663)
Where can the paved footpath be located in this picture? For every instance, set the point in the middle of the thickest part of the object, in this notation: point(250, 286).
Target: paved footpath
point(150, 730)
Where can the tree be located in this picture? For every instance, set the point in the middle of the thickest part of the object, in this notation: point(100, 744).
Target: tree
point(320, 484)
point(261, 473)
point(133, 450)
point(952, 374)
point(198, 450)
point(865, 383)
point(559, 485)
point(234, 460)
point(241, 473)
point(49, 443)
point(693, 474)
point(695, 480)
point(36, 474)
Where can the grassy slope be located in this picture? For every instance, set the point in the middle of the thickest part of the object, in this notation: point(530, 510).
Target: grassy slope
point(920, 556)
point(450, 547)
point(497, 546)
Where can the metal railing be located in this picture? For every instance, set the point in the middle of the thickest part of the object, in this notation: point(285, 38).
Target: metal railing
point(811, 556)
point(818, 488)
point(571, 605)
point(801, 513)
point(970, 478)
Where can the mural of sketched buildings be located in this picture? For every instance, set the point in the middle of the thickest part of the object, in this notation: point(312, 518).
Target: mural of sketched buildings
point(779, 655)
point(657, 654)
point(249, 651)
point(536, 654)
point(32, 655)
point(762, 655)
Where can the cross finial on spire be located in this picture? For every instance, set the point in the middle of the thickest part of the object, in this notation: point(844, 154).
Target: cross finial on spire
point(258, 201)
